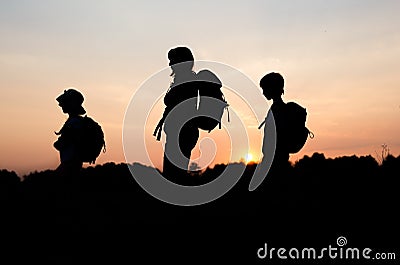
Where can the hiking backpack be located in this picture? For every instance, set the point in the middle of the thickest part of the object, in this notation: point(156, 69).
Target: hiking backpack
point(212, 102)
point(91, 140)
point(296, 132)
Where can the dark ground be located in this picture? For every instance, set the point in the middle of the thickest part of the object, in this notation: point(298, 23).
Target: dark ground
point(112, 220)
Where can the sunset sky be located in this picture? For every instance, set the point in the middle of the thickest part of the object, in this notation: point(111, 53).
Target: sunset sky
point(340, 60)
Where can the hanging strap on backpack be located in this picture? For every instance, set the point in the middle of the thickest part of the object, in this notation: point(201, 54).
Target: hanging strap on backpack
point(310, 134)
point(157, 131)
point(229, 119)
point(227, 109)
point(261, 125)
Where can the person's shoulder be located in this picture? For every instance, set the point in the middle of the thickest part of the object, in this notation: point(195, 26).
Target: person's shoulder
point(75, 122)
point(278, 106)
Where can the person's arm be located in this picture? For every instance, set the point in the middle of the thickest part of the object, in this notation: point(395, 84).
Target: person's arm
point(170, 97)
point(269, 141)
point(158, 129)
point(70, 134)
point(268, 152)
point(62, 138)
point(168, 101)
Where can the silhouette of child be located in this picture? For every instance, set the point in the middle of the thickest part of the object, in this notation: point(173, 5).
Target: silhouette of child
point(272, 86)
point(68, 142)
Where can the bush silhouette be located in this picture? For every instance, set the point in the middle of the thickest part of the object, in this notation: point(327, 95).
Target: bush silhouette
point(320, 195)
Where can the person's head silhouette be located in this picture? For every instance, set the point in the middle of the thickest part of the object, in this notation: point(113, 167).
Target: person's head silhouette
point(272, 85)
point(71, 102)
point(181, 59)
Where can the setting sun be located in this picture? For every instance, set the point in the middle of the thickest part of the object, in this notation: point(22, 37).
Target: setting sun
point(249, 158)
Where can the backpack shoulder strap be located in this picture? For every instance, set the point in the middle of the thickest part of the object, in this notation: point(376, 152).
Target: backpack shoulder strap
point(261, 124)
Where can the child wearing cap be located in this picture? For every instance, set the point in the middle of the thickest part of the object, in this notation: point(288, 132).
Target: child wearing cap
point(67, 144)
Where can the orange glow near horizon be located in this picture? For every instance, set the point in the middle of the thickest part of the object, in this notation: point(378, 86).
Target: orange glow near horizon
point(339, 59)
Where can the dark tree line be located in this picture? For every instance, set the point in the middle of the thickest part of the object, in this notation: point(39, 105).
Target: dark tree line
point(319, 198)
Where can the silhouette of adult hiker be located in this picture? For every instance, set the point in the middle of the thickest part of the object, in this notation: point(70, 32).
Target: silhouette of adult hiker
point(180, 128)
